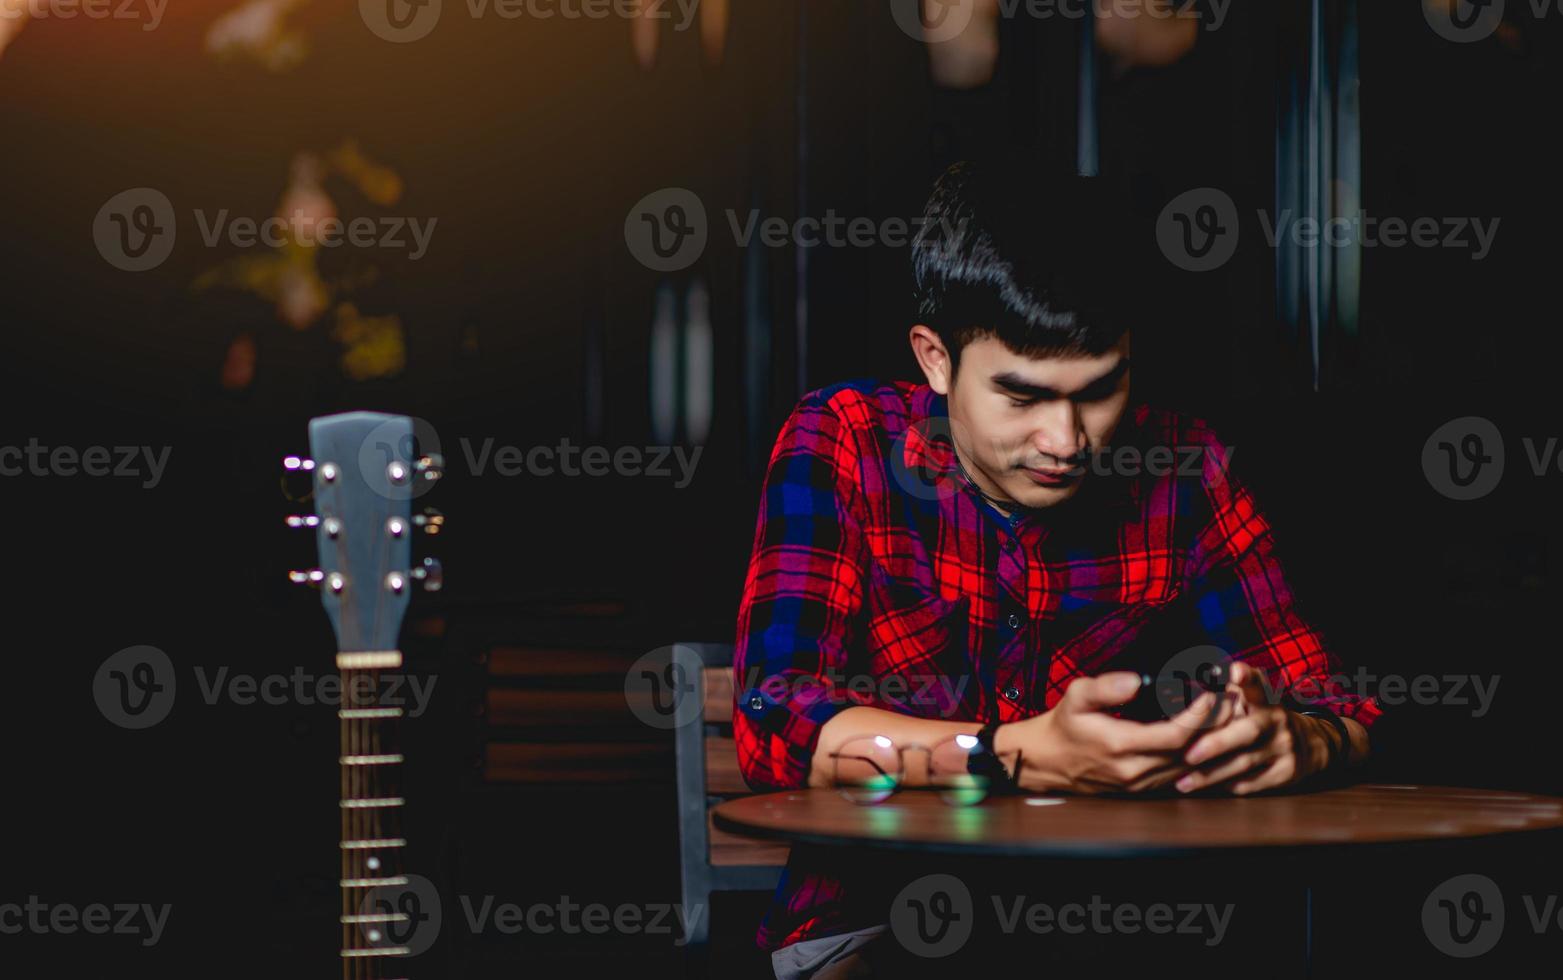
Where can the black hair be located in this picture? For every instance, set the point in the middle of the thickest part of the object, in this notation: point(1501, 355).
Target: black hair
point(1007, 252)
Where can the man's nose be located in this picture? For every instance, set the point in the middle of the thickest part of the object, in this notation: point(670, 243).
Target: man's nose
point(1059, 434)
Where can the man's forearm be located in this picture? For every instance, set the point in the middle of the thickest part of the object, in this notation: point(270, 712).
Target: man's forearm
point(864, 722)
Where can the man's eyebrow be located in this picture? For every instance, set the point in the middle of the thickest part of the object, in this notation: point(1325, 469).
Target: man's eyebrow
point(1017, 385)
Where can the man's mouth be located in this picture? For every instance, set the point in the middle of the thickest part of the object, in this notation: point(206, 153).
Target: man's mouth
point(1053, 476)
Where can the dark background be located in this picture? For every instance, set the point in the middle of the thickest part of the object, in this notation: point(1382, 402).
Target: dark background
point(529, 321)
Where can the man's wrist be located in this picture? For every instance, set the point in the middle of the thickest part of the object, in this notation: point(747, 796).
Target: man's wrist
point(1329, 748)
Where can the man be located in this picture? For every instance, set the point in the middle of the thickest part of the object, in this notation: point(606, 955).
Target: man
point(974, 555)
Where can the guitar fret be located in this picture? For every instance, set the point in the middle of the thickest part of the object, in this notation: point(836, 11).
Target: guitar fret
point(380, 951)
point(369, 660)
point(375, 917)
point(369, 713)
point(359, 845)
point(370, 760)
point(371, 803)
point(372, 882)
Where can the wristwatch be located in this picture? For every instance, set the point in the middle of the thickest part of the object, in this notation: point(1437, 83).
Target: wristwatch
point(987, 762)
point(1338, 758)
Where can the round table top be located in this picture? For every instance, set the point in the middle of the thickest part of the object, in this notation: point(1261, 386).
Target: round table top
point(1095, 826)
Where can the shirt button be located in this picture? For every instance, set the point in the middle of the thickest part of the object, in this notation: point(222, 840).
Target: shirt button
point(1012, 694)
point(1014, 621)
point(756, 702)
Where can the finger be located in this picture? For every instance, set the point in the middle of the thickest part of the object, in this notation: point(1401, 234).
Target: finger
point(1247, 680)
point(1149, 772)
point(1105, 691)
point(1210, 711)
point(1224, 769)
point(1241, 733)
point(1278, 773)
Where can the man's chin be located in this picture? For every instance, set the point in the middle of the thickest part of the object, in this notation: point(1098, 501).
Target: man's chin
point(1029, 493)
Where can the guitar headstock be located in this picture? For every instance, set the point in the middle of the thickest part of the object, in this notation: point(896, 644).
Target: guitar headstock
point(366, 471)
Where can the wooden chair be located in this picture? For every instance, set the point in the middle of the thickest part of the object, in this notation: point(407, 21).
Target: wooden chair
point(706, 760)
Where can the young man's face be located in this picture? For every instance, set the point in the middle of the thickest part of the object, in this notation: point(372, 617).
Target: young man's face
point(1023, 426)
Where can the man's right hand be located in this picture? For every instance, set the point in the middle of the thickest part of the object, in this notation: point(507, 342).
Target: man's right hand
point(1078, 747)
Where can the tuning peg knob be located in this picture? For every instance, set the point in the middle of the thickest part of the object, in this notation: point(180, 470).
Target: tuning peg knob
point(430, 466)
point(332, 526)
point(431, 573)
point(431, 521)
point(316, 577)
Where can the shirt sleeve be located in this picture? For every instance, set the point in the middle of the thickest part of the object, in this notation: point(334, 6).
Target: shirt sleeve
point(800, 614)
point(1245, 605)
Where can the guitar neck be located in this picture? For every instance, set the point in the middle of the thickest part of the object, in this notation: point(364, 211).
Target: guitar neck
point(374, 923)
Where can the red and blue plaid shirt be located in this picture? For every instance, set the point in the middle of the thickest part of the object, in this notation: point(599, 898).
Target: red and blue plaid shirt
point(880, 577)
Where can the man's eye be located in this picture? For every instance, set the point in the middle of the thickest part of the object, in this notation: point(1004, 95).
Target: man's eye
point(1021, 403)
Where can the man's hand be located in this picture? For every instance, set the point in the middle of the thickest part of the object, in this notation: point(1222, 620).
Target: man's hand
point(1078, 747)
point(1258, 745)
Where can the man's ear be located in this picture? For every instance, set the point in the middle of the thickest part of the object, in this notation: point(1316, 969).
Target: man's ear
point(932, 357)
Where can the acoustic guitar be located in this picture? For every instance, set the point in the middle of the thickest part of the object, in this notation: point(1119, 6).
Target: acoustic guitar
point(365, 475)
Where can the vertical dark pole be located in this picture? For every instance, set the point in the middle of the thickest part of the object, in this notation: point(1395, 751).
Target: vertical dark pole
point(800, 260)
point(1087, 160)
point(1315, 180)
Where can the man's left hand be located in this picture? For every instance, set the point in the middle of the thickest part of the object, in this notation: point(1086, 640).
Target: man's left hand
point(1255, 745)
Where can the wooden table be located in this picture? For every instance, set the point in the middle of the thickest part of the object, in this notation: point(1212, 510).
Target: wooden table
point(1313, 832)
point(1082, 826)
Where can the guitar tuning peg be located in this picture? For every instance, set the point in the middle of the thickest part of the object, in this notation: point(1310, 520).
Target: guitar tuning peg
point(430, 466)
point(431, 521)
point(428, 572)
point(332, 526)
point(431, 573)
point(316, 577)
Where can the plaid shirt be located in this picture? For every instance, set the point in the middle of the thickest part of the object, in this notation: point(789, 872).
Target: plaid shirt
point(880, 577)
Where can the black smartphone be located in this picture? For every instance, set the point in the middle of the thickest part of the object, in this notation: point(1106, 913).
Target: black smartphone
point(1165, 695)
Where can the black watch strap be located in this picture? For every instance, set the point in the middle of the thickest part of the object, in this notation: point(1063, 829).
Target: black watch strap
point(987, 762)
point(1338, 759)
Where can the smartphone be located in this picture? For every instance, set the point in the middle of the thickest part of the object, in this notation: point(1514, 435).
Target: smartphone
point(1163, 696)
